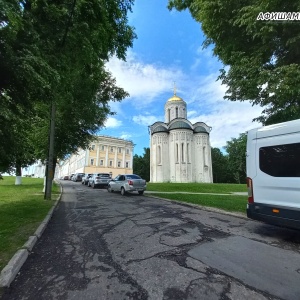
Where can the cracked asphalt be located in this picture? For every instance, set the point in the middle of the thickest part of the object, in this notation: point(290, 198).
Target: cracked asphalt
point(100, 245)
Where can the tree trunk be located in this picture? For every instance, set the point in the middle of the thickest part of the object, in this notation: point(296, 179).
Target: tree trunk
point(18, 180)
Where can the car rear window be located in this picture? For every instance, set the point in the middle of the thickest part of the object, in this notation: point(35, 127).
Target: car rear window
point(103, 175)
point(133, 177)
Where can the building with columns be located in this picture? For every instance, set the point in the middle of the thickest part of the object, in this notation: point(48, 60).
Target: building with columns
point(105, 154)
point(179, 150)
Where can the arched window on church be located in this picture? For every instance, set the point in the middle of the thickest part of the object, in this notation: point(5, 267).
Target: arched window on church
point(187, 153)
point(176, 112)
point(204, 156)
point(182, 152)
point(169, 115)
point(158, 155)
point(177, 154)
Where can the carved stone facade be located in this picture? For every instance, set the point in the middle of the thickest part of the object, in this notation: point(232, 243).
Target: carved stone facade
point(179, 150)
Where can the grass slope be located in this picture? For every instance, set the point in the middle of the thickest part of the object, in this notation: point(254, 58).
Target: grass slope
point(221, 188)
point(230, 202)
point(22, 208)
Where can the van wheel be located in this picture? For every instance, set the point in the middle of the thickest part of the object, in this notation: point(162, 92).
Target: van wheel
point(141, 192)
point(122, 191)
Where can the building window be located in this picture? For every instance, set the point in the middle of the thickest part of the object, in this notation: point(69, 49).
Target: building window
point(177, 154)
point(176, 112)
point(159, 155)
point(111, 149)
point(127, 164)
point(92, 161)
point(120, 150)
point(102, 148)
point(127, 151)
point(182, 152)
point(101, 162)
point(169, 115)
point(110, 163)
point(93, 147)
point(119, 164)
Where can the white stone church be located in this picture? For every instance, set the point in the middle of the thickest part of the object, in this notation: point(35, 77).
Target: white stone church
point(179, 150)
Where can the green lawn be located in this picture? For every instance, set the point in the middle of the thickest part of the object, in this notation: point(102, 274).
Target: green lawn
point(22, 208)
point(219, 188)
point(230, 202)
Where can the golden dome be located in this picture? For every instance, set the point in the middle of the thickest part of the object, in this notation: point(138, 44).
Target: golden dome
point(175, 98)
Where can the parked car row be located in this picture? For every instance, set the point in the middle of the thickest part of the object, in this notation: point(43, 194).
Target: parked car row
point(122, 183)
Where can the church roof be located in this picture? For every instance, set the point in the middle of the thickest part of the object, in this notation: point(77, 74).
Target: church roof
point(160, 128)
point(175, 98)
point(179, 125)
point(199, 129)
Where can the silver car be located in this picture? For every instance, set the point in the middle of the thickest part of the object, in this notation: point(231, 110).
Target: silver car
point(85, 179)
point(99, 180)
point(127, 183)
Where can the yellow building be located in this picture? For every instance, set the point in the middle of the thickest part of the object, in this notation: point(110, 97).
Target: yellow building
point(106, 155)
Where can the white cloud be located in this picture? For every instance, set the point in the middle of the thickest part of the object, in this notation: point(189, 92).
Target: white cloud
point(191, 113)
point(145, 120)
point(125, 136)
point(112, 123)
point(228, 119)
point(143, 81)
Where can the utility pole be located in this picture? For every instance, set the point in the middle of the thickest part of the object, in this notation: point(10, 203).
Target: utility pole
point(50, 166)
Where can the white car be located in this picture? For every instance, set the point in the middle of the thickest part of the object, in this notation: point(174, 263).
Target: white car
point(99, 180)
point(127, 183)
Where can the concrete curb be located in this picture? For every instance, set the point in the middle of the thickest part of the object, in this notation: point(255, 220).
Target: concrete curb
point(206, 208)
point(13, 267)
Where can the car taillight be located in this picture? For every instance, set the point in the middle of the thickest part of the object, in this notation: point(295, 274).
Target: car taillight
point(130, 182)
point(250, 190)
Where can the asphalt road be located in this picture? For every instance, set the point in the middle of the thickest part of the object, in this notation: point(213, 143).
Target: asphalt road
point(104, 246)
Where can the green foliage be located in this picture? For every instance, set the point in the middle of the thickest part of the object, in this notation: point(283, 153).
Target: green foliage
point(220, 167)
point(236, 149)
point(141, 164)
point(263, 56)
point(56, 53)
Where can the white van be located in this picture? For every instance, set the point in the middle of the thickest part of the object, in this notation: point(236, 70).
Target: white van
point(273, 174)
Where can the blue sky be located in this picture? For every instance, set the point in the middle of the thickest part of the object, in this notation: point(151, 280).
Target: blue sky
point(169, 49)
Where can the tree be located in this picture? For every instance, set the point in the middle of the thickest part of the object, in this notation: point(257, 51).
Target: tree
point(236, 149)
point(263, 56)
point(141, 164)
point(54, 54)
point(221, 173)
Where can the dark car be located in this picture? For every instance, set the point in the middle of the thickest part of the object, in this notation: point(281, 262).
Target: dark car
point(99, 180)
point(78, 177)
point(85, 179)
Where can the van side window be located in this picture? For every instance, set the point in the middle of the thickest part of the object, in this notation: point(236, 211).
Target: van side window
point(280, 160)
